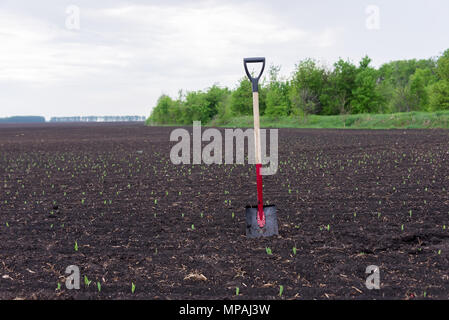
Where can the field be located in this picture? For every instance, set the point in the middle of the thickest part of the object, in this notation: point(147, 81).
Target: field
point(106, 198)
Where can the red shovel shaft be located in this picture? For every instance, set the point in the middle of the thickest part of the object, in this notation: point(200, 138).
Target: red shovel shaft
point(260, 213)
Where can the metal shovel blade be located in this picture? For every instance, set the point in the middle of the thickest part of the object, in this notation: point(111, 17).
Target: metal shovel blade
point(271, 222)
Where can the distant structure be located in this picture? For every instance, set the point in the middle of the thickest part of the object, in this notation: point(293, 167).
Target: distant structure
point(99, 119)
point(23, 119)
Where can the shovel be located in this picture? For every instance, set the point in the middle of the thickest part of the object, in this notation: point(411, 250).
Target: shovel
point(261, 221)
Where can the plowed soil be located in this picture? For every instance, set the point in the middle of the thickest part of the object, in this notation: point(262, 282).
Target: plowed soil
point(106, 198)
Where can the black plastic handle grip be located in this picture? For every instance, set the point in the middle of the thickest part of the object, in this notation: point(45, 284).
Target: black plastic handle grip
point(254, 81)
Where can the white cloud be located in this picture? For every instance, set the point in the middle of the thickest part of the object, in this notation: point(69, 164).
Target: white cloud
point(126, 56)
point(40, 53)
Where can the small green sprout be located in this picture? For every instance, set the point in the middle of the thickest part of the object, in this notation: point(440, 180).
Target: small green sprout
point(58, 287)
point(193, 227)
point(133, 287)
point(294, 251)
point(281, 290)
point(268, 250)
point(87, 281)
point(76, 246)
point(237, 291)
point(99, 286)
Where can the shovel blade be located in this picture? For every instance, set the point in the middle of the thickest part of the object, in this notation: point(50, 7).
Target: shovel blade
point(271, 222)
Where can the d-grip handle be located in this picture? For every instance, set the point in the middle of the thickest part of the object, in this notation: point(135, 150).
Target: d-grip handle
point(254, 81)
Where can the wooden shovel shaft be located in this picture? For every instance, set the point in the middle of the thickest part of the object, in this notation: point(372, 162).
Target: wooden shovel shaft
point(258, 153)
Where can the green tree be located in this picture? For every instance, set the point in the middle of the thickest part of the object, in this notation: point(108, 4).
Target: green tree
point(214, 96)
point(307, 87)
point(366, 94)
point(338, 95)
point(241, 100)
point(277, 94)
point(419, 88)
point(439, 98)
point(443, 66)
point(162, 112)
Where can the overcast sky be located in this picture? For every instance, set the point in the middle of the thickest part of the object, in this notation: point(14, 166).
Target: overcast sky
point(62, 58)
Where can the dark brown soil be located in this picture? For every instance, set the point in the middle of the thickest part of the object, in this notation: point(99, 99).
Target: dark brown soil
point(345, 200)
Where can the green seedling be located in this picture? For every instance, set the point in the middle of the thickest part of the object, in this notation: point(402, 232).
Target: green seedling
point(237, 291)
point(133, 287)
point(99, 286)
point(281, 290)
point(58, 287)
point(233, 215)
point(193, 227)
point(76, 246)
point(268, 250)
point(294, 251)
point(87, 281)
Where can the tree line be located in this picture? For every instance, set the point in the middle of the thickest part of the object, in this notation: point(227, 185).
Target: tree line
point(98, 119)
point(344, 88)
point(22, 119)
